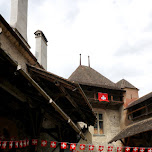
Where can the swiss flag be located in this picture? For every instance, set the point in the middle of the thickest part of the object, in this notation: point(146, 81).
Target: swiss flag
point(91, 147)
point(63, 145)
point(34, 142)
point(4, 145)
point(135, 149)
point(110, 148)
point(127, 149)
point(101, 148)
point(72, 146)
point(149, 149)
point(10, 144)
point(20, 144)
point(53, 144)
point(27, 142)
point(119, 149)
point(142, 149)
point(43, 143)
point(24, 143)
point(103, 97)
point(82, 146)
point(16, 144)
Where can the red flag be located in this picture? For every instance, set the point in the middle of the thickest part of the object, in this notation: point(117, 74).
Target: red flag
point(34, 142)
point(53, 144)
point(91, 147)
point(135, 149)
point(82, 146)
point(0, 143)
point(4, 145)
point(10, 144)
point(119, 149)
point(142, 149)
point(127, 149)
point(63, 145)
point(27, 142)
point(110, 148)
point(43, 143)
point(103, 97)
point(101, 148)
point(24, 143)
point(20, 144)
point(72, 146)
point(16, 144)
point(149, 149)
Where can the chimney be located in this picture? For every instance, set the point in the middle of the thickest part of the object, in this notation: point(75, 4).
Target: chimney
point(18, 18)
point(41, 48)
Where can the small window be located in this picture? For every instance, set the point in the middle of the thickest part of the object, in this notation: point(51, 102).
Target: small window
point(98, 127)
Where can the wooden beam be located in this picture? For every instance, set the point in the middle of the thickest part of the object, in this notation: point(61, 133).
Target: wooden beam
point(68, 96)
point(136, 110)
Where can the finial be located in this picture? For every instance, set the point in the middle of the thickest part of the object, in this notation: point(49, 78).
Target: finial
point(80, 59)
point(88, 61)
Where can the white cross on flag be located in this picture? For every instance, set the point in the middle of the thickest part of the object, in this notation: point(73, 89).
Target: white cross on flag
point(103, 97)
point(101, 148)
point(16, 144)
point(27, 142)
point(53, 144)
point(142, 149)
point(149, 149)
point(34, 142)
point(119, 149)
point(110, 148)
point(24, 143)
point(10, 144)
point(82, 146)
point(135, 149)
point(63, 145)
point(4, 145)
point(127, 149)
point(43, 143)
point(72, 146)
point(20, 144)
point(91, 147)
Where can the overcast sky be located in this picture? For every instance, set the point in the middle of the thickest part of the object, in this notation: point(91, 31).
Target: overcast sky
point(116, 34)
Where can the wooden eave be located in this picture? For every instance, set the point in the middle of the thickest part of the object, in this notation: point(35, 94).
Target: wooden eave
point(19, 79)
point(66, 91)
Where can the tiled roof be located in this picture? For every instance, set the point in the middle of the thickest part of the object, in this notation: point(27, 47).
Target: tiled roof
point(125, 84)
point(89, 76)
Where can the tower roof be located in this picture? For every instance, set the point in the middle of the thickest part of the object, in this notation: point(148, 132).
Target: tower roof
point(125, 84)
point(88, 76)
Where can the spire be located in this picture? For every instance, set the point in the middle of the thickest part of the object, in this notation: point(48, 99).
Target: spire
point(88, 61)
point(80, 59)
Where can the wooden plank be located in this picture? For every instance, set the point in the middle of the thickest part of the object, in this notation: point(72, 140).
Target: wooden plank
point(136, 110)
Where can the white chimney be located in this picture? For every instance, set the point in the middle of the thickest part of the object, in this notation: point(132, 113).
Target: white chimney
point(41, 48)
point(18, 18)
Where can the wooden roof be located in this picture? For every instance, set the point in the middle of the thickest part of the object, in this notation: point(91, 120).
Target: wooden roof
point(88, 76)
point(125, 84)
point(68, 95)
point(133, 129)
point(140, 100)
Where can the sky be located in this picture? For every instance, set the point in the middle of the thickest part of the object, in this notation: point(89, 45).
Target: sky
point(116, 34)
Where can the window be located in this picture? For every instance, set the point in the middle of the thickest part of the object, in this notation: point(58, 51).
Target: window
point(98, 127)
